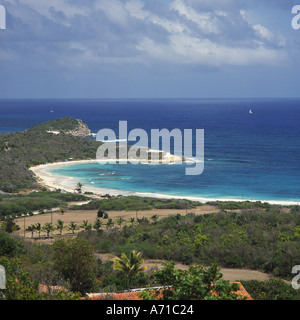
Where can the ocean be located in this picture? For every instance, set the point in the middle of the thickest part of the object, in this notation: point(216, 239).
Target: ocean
point(246, 156)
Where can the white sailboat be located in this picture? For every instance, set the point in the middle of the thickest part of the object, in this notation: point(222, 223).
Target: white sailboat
point(250, 111)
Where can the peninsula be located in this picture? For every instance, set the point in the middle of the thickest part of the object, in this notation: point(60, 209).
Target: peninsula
point(49, 142)
point(55, 141)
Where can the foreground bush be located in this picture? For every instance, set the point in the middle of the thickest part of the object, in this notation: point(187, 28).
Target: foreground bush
point(196, 283)
point(273, 289)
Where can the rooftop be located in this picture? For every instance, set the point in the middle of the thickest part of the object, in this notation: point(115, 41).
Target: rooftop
point(133, 295)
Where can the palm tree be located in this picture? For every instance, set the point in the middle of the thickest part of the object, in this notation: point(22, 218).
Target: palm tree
point(79, 187)
point(85, 225)
point(60, 226)
point(120, 220)
point(38, 227)
point(109, 223)
point(73, 226)
point(131, 220)
point(31, 228)
point(97, 225)
point(48, 227)
point(129, 265)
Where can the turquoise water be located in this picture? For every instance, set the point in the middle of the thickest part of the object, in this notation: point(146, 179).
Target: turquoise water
point(246, 156)
point(220, 179)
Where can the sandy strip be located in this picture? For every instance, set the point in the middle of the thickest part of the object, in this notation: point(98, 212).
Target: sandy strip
point(54, 181)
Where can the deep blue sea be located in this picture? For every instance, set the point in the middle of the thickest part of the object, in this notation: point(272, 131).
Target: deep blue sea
point(247, 156)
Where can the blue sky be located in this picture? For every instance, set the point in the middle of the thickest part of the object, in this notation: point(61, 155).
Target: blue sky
point(149, 49)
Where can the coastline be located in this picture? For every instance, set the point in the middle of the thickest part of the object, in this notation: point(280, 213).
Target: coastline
point(54, 181)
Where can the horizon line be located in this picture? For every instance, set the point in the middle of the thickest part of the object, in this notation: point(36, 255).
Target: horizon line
point(149, 98)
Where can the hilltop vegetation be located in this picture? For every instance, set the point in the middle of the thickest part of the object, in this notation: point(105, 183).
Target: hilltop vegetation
point(66, 125)
point(20, 150)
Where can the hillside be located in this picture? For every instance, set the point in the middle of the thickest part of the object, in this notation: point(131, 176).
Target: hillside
point(65, 125)
point(20, 150)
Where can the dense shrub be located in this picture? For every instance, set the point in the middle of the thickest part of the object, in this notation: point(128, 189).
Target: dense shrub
point(9, 246)
point(136, 203)
point(263, 239)
point(16, 205)
point(273, 289)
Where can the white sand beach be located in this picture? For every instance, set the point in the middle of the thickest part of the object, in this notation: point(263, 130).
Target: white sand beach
point(55, 181)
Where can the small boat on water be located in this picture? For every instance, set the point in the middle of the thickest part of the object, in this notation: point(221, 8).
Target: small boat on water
point(250, 111)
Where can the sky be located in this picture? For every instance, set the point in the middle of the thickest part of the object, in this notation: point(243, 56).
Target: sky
point(149, 49)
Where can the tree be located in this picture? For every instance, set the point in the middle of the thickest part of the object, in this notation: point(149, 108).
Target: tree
point(9, 246)
point(74, 259)
point(79, 187)
point(23, 288)
point(100, 213)
point(154, 218)
point(120, 221)
point(31, 229)
point(73, 226)
point(38, 228)
point(86, 226)
point(9, 226)
point(143, 220)
point(48, 227)
point(129, 265)
point(60, 226)
point(131, 220)
point(109, 223)
point(196, 283)
point(97, 225)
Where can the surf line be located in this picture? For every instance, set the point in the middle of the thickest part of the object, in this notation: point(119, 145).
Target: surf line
point(140, 151)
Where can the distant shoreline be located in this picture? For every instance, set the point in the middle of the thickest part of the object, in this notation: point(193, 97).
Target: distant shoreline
point(55, 181)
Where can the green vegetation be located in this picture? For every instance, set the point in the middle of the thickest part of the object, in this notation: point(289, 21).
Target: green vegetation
point(273, 289)
point(234, 205)
point(196, 283)
point(21, 150)
point(9, 246)
point(246, 234)
point(12, 206)
point(132, 203)
point(71, 263)
point(74, 259)
point(63, 125)
point(130, 265)
point(258, 239)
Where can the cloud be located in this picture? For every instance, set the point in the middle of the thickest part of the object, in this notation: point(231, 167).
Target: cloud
point(206, 22)
point(212, 37)
point(52, 9)
point(188, 50)
point(75, 34)
point(114, 10)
